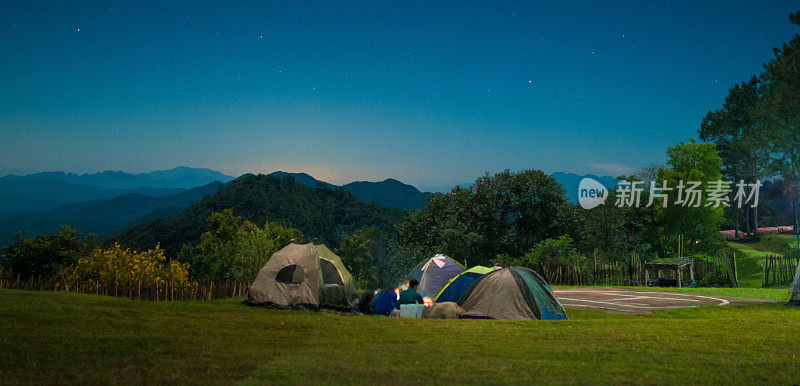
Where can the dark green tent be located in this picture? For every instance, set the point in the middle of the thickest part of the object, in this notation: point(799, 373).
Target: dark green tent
point(511, 293)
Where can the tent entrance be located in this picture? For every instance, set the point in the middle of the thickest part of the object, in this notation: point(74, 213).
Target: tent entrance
point(291, 274)
point(330, 275)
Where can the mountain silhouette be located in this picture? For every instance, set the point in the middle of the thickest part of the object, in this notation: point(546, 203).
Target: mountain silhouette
point(103, 216)
point(389, 192)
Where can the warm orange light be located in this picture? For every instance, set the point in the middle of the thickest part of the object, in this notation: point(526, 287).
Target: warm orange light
point(427, 301)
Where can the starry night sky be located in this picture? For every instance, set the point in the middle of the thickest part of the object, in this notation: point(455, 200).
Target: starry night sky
point(432, 93)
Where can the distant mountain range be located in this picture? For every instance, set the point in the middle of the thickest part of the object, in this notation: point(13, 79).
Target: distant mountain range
point(41, 192)
point(42, 195)
point(107, 203)
point(102, 217)
point(181, 177)
point(389, 192)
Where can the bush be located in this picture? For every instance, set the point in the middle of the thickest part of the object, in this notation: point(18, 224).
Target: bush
point(552, 253)
point(43, 255)
point(503, 260)
point(117, 265)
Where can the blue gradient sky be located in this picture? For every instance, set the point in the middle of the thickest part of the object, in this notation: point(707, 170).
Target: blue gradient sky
point(432, 93)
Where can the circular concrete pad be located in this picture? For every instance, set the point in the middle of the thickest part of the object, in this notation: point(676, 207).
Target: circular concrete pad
point(632, 301)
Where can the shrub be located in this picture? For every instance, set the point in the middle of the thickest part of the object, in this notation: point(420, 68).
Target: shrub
point(554, 253)
point(117, 265)
point(43, 255)
point(550, 255)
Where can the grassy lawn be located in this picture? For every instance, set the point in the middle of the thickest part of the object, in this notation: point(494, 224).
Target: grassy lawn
point(749, 257)
point(67, 338)
point(775, 243)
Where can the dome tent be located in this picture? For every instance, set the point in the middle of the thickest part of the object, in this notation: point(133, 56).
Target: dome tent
point(434, 273)
point(456, 287)
point(303, 275)
point(511, 293)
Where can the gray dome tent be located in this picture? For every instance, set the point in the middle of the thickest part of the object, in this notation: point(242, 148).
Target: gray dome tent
point(303, 275)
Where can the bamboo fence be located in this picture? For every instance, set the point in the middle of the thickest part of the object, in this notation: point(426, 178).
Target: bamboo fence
point(157, 292)
point(779, 270)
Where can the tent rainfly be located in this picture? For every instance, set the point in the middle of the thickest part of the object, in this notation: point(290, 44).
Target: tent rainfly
point(434, 273)
point(456, 287)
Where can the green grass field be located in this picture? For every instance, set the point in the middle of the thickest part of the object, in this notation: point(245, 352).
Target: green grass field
point(749, 257)
point(50, 337)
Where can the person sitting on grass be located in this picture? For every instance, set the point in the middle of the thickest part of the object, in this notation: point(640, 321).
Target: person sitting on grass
point(411, 296)
point(385, 303)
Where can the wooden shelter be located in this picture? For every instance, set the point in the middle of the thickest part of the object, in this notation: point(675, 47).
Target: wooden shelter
point(669, 270)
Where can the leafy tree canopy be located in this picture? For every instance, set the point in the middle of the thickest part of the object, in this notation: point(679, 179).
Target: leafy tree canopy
point(44, 255)
point(506, 213)
point(235, 249)
point(698, 222)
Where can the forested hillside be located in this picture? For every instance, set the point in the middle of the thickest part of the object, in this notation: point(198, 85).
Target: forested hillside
point(389, 192)
point(323, 215)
